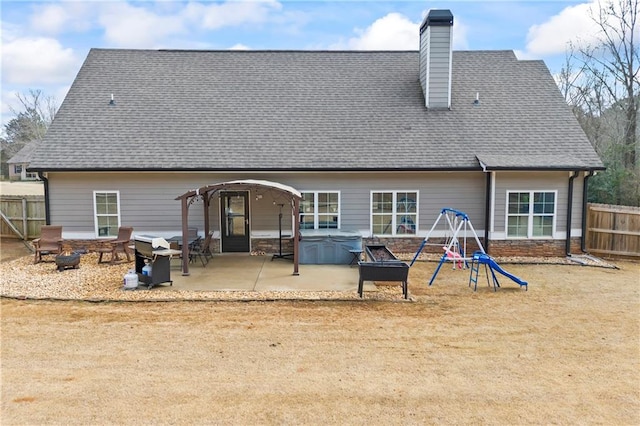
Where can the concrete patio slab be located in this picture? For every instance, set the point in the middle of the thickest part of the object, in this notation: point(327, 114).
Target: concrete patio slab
point(243, 272)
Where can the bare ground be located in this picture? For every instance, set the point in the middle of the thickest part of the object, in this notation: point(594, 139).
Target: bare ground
point(567, 351)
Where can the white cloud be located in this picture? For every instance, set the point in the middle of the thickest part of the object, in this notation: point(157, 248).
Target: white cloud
point(9, 101)
point(137, 27)
point(391, 32)
point(396, 32)
point(36, 61)
point(229, 14)
point(158, 24)
point(146, 24)
point(239, 46)
point(51, 19)
point(460, 30)
point(62, 17)
point(552, 37)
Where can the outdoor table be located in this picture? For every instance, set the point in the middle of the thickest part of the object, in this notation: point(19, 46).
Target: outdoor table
point(177, 239)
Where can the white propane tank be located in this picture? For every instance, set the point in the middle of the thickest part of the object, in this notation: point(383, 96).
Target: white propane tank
point(130, 280)
point(146, 270)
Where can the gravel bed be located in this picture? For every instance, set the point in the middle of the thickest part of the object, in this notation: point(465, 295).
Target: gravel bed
point(21, 279)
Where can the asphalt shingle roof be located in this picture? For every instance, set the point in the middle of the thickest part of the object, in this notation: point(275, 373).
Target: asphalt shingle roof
point(25, 154)
point(305, 110)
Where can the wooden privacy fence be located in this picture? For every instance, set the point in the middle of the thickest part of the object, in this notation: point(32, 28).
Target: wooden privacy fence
point(613, 230)
point(21, 216)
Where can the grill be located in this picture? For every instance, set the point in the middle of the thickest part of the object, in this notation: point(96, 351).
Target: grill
point(152, 251)
point(146, 244)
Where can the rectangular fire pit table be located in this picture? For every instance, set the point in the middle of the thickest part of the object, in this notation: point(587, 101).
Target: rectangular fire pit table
point(385, 266)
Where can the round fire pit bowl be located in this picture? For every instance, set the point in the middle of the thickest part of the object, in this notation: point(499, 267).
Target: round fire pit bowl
point(67, 261)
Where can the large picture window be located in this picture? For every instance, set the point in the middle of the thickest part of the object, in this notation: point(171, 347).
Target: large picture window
point(394, 213)
point(106, 207)
point(320, 210)
point(531, 214)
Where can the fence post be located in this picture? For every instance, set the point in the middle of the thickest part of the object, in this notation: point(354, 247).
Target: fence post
point(25, 225)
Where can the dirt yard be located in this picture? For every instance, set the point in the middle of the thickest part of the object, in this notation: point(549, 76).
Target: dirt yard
point(565, 352)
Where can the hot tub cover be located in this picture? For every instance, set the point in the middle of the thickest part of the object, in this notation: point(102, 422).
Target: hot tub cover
point(318, 234)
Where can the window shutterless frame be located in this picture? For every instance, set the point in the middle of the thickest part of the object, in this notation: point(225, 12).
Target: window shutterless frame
point(394, 213)
point(106, 213)
point(320, 210)
point(531, 214)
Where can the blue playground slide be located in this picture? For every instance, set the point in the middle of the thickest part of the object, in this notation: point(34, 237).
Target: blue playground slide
point(483, 258)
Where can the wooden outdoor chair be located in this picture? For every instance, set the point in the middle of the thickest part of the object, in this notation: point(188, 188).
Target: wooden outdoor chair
point(50, 242)
point(119, 245)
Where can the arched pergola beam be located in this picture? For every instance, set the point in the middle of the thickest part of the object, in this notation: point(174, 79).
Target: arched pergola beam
point(207, 192)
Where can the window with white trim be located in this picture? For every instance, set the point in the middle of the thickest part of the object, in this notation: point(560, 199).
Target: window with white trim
point(320, 210)
point(106, 208)
point(394, 212)
point(531, 214)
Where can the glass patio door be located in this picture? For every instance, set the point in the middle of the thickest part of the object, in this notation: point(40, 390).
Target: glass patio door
point(235, 222)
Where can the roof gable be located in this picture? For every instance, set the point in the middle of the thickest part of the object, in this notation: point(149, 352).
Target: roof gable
point(25, 154)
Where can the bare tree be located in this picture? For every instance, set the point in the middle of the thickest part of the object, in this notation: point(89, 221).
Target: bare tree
point(35, 115)
point(600, 80)
point(29, 124)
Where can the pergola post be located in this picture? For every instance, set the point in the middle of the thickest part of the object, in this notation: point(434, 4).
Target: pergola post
point(185, 235)
point(206, 214)
point(296, 231)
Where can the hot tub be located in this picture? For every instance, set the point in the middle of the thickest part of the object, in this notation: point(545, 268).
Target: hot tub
point(328, 246)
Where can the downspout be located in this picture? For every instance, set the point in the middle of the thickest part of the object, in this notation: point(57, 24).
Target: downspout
point(47, 213)
point(583, 242)
point(572, 176)
point(487, 213)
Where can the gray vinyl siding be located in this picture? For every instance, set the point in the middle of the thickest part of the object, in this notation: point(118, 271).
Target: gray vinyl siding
point(147, 200)
point(264, 214)
point(424, 52)
point(540, 181)
point(464, 191)
point(435, 65)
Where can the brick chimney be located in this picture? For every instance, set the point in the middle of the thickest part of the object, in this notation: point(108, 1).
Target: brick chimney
point(435, 58)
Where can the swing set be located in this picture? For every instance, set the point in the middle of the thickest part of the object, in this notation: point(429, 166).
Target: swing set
point(456, 227)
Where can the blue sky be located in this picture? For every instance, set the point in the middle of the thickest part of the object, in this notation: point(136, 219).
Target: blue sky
point(44, 43)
